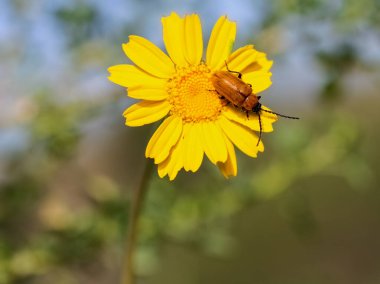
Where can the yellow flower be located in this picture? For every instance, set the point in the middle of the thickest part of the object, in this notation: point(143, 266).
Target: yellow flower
point(179, 88)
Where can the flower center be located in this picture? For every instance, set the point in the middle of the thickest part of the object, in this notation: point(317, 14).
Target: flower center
point(191, 95)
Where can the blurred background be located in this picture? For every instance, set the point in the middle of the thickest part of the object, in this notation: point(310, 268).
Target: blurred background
point(306, 211)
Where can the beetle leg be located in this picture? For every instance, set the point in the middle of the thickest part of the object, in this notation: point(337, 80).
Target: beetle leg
point(175, 65)
point(261, 129)
point(224, 101)
point(220, 97)
point(247, 113)
point(239, 74)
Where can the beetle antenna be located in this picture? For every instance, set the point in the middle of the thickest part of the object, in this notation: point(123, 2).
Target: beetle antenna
point(261, 129)
point(291, 117)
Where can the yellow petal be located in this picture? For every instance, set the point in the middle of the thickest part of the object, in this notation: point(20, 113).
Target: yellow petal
point(193, 150)
point(241, 58)
point(149, 94)
point(177, 163)
point(221, 42)
point(260, 80)
point(165, 137)
point(193, 39)
point(132, 77)
point(242, 137)
point(213, 142)
point(260, 63)
point(246, 60)
point(174, 38)
point(173, 163)
point(229, 168)
point(252, 121)
point(148, 57)
point(146, 112)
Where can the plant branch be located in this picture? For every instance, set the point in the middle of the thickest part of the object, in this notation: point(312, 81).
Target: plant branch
point(139, 193)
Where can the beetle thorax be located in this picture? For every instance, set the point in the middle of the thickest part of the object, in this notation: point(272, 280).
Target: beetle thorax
point(251, 103)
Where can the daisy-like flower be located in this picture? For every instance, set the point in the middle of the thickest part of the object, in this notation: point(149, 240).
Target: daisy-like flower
point(178, 88)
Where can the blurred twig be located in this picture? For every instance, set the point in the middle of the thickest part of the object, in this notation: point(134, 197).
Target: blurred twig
point(137, 204)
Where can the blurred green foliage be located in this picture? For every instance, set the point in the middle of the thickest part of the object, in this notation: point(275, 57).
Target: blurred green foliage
point(79, 21)
point(335, 63)
point(55, 129)
point(47, 231)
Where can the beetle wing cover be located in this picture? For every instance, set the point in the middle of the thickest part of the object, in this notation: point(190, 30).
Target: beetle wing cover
point(226, 85)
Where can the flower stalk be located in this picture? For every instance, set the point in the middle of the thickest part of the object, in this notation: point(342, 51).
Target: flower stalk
point(128, 276)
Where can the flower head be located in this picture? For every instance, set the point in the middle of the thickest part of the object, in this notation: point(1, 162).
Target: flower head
point(178, 88)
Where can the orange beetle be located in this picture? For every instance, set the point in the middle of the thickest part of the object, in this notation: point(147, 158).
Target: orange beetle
point(234, 90)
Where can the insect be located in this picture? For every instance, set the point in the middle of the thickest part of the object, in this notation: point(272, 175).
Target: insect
point(235, 91)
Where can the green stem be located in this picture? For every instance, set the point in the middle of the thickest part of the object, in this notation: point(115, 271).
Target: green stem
point(128, 276)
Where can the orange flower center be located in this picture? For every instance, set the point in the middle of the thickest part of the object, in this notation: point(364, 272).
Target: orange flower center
point(191, 95)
